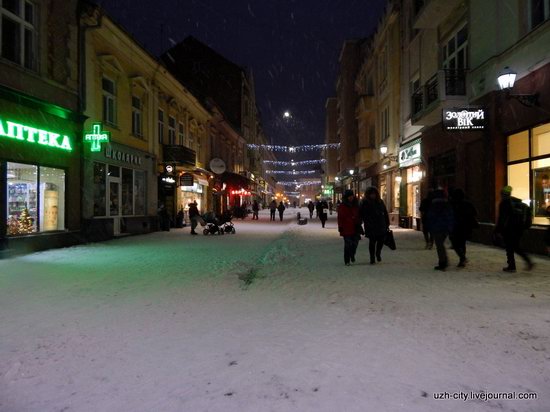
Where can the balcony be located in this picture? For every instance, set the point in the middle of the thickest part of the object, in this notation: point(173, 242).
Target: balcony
point(446, 89)
point(434, 12)
point(365, 105)
point(365, 156)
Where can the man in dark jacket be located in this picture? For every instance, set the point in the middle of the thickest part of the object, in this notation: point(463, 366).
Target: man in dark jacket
point(281, 208)
point(464, 222)
point(255, 210)
point(377, 222)
point(510, 226)
point(349, 225)
point(272, 210)
point(440, 222)
point(424, 208)
point(323, 212)
point(311, 208)
point(194, 216)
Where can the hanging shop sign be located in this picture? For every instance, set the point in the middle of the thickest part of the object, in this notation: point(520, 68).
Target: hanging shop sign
point(410, 155)
point(217, 166)
point(96, 137)
point(458, 119)
point(195, 188)
point(25, 133)
point(121, 156)
point(186, 179)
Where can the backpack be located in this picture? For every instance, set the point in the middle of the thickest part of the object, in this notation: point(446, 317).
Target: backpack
point(522, 218)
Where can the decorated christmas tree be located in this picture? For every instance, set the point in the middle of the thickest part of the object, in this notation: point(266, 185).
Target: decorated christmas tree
point(25, 222)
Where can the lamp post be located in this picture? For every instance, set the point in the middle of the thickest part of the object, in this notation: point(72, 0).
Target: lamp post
point(506, 80)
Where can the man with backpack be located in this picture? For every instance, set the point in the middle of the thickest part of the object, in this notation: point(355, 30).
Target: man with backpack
point(514, 217)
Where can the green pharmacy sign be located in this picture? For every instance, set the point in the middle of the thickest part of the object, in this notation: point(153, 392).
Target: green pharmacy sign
point(29, 134)
point(96, 137)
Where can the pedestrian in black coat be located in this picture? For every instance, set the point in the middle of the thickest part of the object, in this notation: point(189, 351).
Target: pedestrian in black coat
point(510, 226)
point(440, 224)
point(281, 208)
point(424, 208)
point(311, 208)
point(376, 221)
point(323, 212)
point(465, 220)
point(272, 210)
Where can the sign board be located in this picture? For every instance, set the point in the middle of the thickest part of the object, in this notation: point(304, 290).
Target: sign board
point(25, 133)
point(96, 137)
point(186, 179)
point(217, 166)
point(459, 119)
point(410, 155)
point(121, 156)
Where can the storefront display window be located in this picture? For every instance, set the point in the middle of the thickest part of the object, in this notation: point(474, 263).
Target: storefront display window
point(36, 199)
point(127, 192)
point(52, 199)
point(100, 189)
point(140, 190)
point(529, 169)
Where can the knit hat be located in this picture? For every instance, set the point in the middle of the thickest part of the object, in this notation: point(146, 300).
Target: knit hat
point(506, 190)
point(348, 193)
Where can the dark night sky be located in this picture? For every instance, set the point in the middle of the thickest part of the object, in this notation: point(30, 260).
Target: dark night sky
point(292, 46)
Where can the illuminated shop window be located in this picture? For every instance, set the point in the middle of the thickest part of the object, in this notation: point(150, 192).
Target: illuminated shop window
point(529, 170)
point(36, 199)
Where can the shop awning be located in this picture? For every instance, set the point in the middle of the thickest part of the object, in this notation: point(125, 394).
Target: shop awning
point(236, 181)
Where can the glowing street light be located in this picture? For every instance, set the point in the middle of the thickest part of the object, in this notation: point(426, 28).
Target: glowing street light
point(286, 115)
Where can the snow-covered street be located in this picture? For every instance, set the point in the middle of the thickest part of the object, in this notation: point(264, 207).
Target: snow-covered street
point(269, 319)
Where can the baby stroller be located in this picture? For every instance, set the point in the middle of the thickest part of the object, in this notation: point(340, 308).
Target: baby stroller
point(212, 225)
point(226, 223)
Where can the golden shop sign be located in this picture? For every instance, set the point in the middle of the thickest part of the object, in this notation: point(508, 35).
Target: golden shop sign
point(34, 135)
point(458, 119)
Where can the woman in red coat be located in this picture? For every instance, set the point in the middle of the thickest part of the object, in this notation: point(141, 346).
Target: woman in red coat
point(349, 224)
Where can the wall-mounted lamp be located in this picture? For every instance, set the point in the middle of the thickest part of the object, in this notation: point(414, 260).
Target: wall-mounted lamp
point(385, 155)
point(351, 172)
point(398, 179)
point(506, 80)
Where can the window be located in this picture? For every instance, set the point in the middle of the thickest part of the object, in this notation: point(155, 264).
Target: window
point(160, 128)
point(385, 123)
point(36, 199)
point(18, 32)
point(171, 130)
point(137, 116)
point(109, 101)
point(529, 170)
point(539, 11)
point(181, 134)
point(455, 50)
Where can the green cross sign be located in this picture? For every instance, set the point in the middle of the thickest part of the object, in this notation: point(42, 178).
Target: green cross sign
point(97, 137)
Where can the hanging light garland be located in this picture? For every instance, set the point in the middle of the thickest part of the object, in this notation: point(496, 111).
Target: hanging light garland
point(304, 183)
point(293, 149)
point(293, 163)
point(292, 172)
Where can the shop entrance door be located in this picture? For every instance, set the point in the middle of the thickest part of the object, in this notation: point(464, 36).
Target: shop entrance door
point(114, 203)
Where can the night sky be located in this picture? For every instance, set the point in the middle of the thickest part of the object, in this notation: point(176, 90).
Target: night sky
point(292, 47)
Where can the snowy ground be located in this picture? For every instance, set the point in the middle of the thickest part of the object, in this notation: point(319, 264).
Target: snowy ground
point(167, 322)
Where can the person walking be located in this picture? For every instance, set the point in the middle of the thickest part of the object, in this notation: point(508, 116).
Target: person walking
point(323, 212)
point(514, 217)
point(330, 207)
point(281, 208)
point(272, 210)
point(311, 208)
point(255, 210)
point(465, 221)
point(194, 216)
point(376, 221)
point(424, 209)
point(349, 225)
point(440, 225)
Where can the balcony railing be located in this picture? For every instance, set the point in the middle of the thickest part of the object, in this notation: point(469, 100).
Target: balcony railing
point(444, 84)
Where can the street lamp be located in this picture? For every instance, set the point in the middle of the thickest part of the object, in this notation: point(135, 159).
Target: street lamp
point(351, 172)
point(385, 155)
point(506, 80)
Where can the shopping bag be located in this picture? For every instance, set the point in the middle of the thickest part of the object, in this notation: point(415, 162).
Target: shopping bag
point(389, 240)
point(325, 211)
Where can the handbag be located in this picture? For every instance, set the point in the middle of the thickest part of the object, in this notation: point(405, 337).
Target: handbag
point(389, 240)
point(325, 211)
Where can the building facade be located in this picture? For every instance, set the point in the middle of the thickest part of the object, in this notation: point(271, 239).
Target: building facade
point(40, 126)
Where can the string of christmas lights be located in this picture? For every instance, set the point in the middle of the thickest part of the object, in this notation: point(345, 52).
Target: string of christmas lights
point(292, 172)
point(293, 163)
point(293, 149)
point(296, 183)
